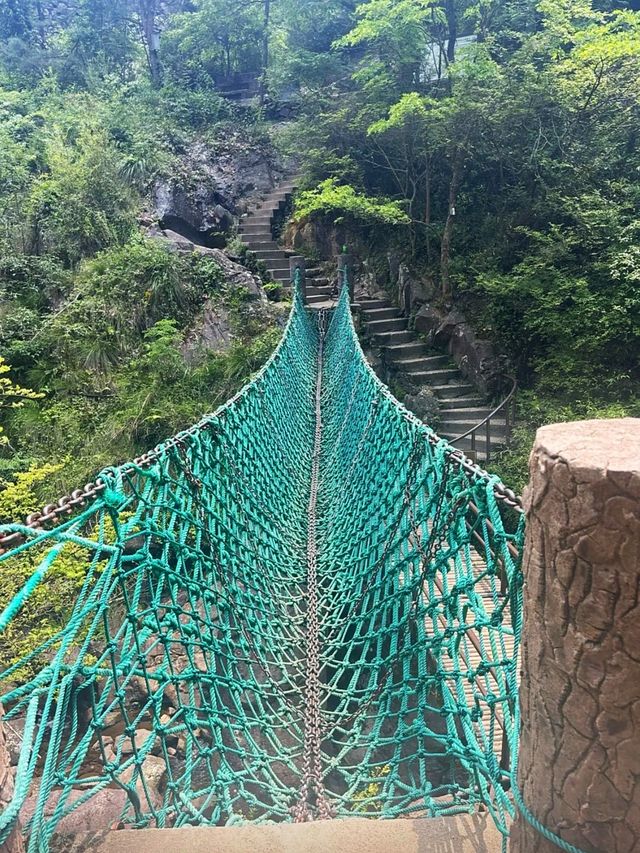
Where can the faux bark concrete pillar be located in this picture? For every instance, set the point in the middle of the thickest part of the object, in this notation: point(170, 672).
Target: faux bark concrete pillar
point(14, 843)
point(297, 262)
point(579, 764)
point(345, 273)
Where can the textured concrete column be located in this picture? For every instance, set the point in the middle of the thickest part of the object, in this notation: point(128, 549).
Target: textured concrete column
point(14, 843)
point(297, 262)
point(345, 272)
point(579, 766)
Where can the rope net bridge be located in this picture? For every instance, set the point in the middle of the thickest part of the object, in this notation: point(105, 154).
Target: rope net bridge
point(307, 606)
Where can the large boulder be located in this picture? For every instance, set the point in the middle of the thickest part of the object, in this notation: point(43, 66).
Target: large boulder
point(412, 291)
point(475, 356)
point(210, 333)
point(235, 275)
point(210, 186)
point(424, 405)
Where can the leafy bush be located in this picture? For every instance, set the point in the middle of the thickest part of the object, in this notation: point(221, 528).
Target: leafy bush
point(340, 202)
point(83, 204)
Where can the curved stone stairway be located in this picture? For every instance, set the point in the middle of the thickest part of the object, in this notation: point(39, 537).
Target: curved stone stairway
point(461, 404)
point(242, 89)
point(256, 232)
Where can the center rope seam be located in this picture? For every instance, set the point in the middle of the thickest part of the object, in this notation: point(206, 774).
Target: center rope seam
point(312, 763)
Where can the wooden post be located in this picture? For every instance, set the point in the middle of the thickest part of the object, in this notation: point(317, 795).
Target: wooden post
point(297, 262)
point(14, 843)
point(345, 273)
point(579, 762)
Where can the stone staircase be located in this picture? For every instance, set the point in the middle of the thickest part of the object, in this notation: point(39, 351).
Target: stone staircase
point(462, 407)
point(256, 232)
point(242, 89)
point(322, 291)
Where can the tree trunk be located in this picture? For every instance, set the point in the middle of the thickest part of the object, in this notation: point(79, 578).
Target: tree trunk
point(265, 50)
point(148, 13)
point(452, 26)
point(42, 36)
point(579, 763)
point(427, 206)
point(457, 162)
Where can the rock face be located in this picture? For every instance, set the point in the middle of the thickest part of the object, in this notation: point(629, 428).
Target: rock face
point(412, 291)
point(212, 186)
point(327, 240)
point(476, 357)
point(424, 404)
point(211, 332)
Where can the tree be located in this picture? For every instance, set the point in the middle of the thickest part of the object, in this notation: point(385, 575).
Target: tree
point(15, 20)
point(149, 14)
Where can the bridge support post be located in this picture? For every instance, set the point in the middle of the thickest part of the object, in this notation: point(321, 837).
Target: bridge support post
point(297, 262)
point(579, 763)
point(345, 273)
point(14, 843)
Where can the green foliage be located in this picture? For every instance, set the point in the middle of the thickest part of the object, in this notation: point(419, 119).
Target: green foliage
point(19, 497)
point(339, 202)
point(121, 293)
point(12, 395)
point(46, 610)
point(538, 409)
point(82, 204)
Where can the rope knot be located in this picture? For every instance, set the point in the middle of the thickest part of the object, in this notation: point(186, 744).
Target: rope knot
point(113, 495)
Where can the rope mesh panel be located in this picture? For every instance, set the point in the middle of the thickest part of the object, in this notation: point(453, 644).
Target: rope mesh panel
point(306, 572)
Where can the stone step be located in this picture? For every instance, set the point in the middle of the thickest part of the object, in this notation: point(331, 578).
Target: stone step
point(411, 348)
point(373, 314)
point(464, 402)
point(268, 255)
point(392, 339)
point(259, 219)
point(371, 304)
point(255, 228)
point(466, 413)
point(273, 201)
point(397, 325)
point(453, 390)
point(470, 833)
point(480, 451)
point(498, 428)
point(317, 298)
point(261, 237)
point(260, 245)
point(317, 282)
point(320, 291)
point(437, 376)
point(279, 266)
point(429, 362)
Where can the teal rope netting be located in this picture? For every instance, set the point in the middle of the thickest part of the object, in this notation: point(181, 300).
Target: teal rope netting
point(303, 607)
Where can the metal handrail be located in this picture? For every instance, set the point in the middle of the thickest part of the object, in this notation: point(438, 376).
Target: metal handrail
point(508, 405)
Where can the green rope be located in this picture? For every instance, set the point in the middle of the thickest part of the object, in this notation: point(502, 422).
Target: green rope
point(187, 645)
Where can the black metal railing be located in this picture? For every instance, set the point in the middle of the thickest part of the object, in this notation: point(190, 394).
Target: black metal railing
point(486, 430)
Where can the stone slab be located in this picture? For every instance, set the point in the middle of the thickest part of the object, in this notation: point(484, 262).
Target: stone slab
point(460, 834)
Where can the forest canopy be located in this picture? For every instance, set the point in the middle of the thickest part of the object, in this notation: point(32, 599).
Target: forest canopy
point(492, 146)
